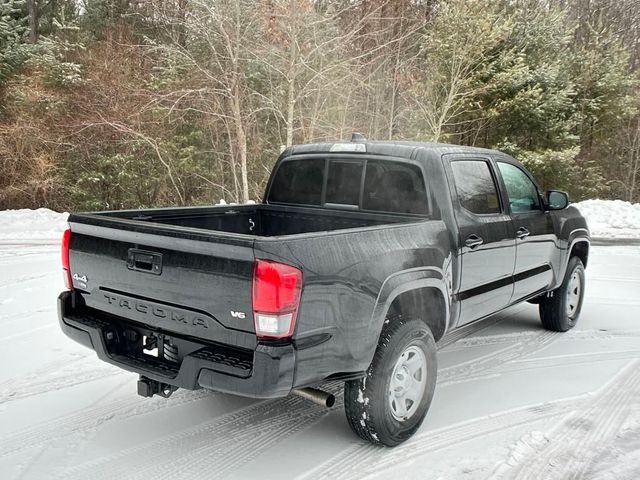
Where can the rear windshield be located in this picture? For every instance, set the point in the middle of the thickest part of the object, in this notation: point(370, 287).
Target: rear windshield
point(373, 185)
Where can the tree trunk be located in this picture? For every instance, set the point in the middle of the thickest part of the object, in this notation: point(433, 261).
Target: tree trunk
point(395, 88)
point(291, 102)
point(33, 20)
point(232, 157)
point(291, 75)
point(635, 164)
point(182, 19)
point(241, 142)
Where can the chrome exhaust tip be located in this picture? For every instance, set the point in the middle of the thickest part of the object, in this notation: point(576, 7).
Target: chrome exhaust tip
point(324, 399)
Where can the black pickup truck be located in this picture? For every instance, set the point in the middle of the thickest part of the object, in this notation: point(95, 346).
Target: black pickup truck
point(361, 257)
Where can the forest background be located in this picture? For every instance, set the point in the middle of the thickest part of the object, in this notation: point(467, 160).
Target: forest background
point(108, 104)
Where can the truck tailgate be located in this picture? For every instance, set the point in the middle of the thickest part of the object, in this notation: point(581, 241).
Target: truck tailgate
point(187, 282)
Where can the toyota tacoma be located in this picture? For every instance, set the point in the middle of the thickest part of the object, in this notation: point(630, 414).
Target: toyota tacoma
point(360, 258)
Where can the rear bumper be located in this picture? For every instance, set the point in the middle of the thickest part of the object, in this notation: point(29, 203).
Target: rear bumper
point(266, 372)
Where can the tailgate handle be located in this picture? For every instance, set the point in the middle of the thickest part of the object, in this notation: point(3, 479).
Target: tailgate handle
point(144, 261)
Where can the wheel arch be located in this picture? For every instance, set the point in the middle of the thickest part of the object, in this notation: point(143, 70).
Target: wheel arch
point(425, 303)
point(420, 293)
point(580, 249)
point(577, 246)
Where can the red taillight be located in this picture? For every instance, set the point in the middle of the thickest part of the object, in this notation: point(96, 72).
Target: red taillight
point(66, 269)
point(276, 295)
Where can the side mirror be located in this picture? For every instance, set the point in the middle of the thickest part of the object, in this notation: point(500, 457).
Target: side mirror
point(557, 200)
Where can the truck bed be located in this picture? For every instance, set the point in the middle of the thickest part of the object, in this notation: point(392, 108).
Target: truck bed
point(195, 263)
point(260, 219)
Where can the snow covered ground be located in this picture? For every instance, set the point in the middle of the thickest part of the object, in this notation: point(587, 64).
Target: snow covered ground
point(513, 400)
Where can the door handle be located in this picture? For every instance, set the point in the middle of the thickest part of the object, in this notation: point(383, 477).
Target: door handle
point(522, 233)
point(473, 241)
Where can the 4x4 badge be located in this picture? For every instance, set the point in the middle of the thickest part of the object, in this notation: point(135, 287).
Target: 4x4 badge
point(80, 278)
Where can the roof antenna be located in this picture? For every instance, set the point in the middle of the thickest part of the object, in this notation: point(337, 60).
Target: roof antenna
point(358, 137)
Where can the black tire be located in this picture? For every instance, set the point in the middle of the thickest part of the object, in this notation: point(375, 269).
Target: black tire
point(367, 400)
point(555, 313)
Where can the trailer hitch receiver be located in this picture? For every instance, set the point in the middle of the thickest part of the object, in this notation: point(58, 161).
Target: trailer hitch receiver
point(148, 388)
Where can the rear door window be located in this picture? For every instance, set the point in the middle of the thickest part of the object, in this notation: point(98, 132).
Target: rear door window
point(475, 186)
point(298, 182)
point(394, 187)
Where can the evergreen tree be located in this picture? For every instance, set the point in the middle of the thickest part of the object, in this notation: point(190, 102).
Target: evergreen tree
point(13, 35)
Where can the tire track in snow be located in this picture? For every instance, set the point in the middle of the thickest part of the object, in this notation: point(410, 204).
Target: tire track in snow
point(473, 328)
point(609, 278)
point(19, 317)
point(556, 361)
point(601, 334)
point(28, 278)
point(25, 333)
point(256, 444)
point(88, 419)
point(617, 301)
point(571, 444)
point(211, 449)
point(488, 340)
point(9, 256)
point(536, 342)
point(363, 460)
point(484, 365)
point(568, 359)
point(497, 363)
point(506, 338)
point(251, 443)
point(64, 373)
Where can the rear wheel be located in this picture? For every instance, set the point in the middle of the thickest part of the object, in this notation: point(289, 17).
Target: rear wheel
point(560, 310)
point(389, 404)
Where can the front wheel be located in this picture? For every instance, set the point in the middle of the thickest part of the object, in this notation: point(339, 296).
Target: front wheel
point(389, 404)
point(560, 309)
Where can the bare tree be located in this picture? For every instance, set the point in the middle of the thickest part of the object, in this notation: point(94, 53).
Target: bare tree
point(213, 52)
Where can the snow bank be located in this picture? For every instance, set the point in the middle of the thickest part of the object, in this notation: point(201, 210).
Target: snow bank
point(611, 218)
point(25, 224)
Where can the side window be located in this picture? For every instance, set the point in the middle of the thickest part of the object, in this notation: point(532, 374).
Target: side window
point(523, 194)
point(343, 183)
point(298, 182)
point(475, 186)
point(394, 187)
